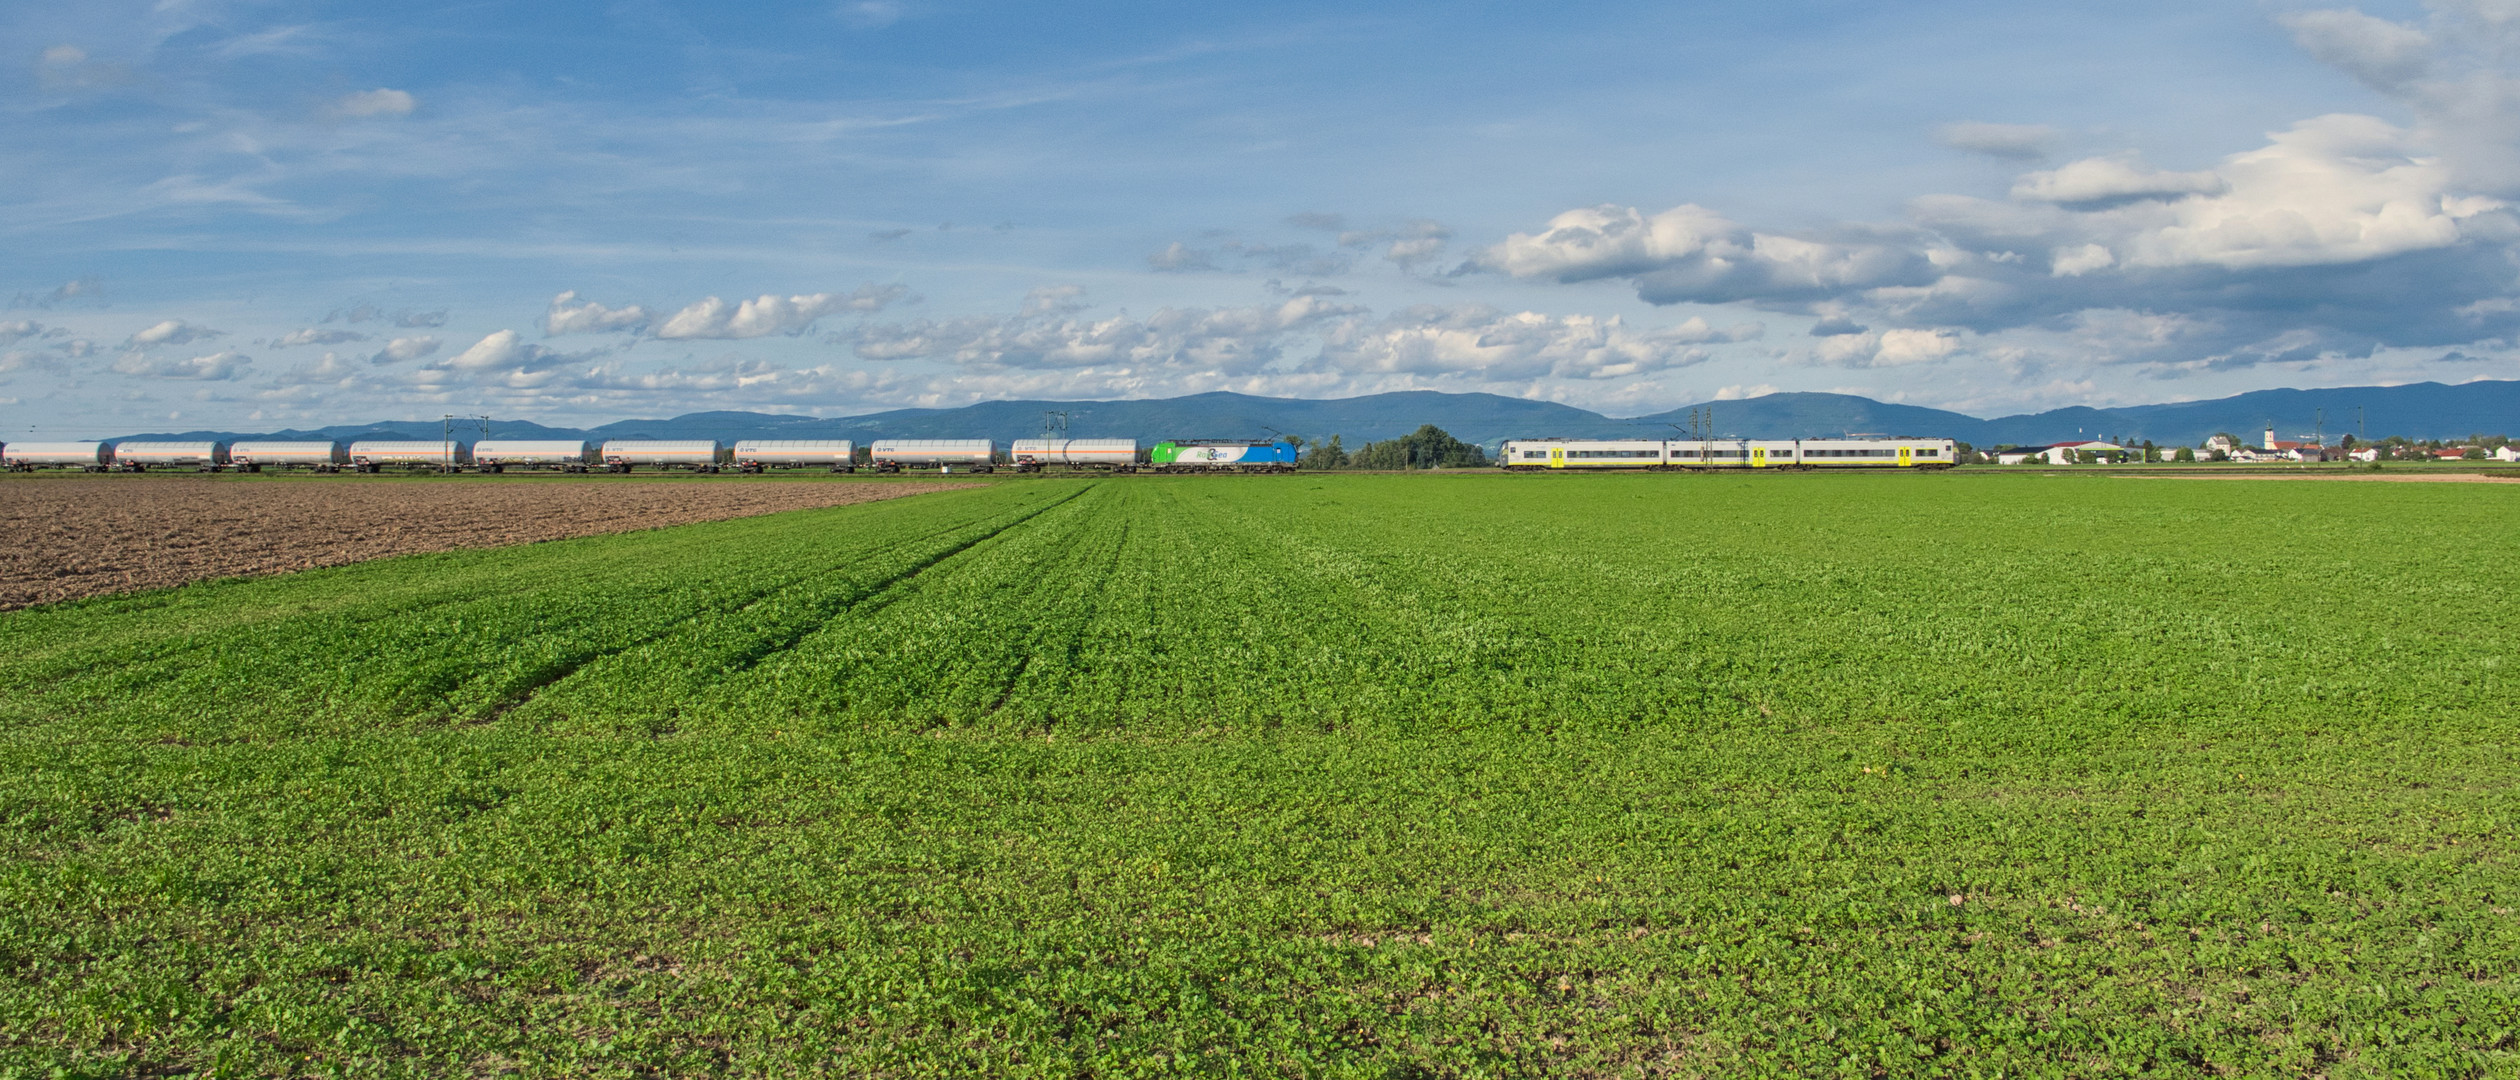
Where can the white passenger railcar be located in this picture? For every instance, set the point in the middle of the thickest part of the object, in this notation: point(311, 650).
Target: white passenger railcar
point(759, 455)
point(894, 455)
point(255, 456)
point(1521, 455)
point(30, 456)
point(1031, 455)
point(500, 455)
point(143, 456)
point(698, 455)
point(376, 455)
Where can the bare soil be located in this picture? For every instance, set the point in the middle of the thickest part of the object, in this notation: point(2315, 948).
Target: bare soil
point(73, 537)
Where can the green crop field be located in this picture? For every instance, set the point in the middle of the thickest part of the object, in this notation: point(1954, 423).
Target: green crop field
point(1327, 776)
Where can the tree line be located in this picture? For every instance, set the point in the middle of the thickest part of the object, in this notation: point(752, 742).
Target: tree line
point(1428, 447)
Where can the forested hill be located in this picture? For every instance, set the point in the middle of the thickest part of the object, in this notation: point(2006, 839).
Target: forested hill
point(2420, 410)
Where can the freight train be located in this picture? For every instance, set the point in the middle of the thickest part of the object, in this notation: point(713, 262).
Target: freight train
point(944, 455)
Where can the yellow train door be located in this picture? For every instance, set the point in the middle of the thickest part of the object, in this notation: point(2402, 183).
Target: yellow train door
point(1557, 457)
point(1758, 457)
point(1905, 457)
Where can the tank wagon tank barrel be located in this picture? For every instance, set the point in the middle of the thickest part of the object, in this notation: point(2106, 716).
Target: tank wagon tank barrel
point(255, 456)
point(972, 455)
point(197, 456)
point(1032, 455)
point(500, 455)
point(698, 455)
point(758, 455)
point(374, 455)
point(30, 456)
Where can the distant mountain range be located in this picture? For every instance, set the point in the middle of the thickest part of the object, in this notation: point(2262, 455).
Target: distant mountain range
point(2420, 410)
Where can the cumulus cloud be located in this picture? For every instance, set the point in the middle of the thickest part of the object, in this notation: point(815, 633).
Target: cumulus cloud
point(1047, 334)
point(1691, 253)
point(2338, 236)
point(2013, 142)
point(2384, 54)
point(316, 336)
point(170, 332)
point(1303, 344)
point(68, 290)
point(1887, 348)
point(569, 315)
point(768, 315)
point(216, 366)
point(1180, 258)
point(1492, 345)
point(14, 331)
point(498, 349)
point(377, 102)
point(1409, 244)
point(405, 348)
point(2107, 181)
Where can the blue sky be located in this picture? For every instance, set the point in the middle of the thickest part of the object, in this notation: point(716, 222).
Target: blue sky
point(255, 215)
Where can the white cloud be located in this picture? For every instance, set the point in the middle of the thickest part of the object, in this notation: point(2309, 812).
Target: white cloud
point(1046, 335)
point(1181, 258)
point(66, 67)
point(2102, 181)
point(767, 315)
point(2074, 261)
point(12, 332)
point(2384, 54)
point(316, 336)
point(170, 332)
point(499, 349)
point(1887, 348)
point(2334, 189)
point(377, 102)
point(1692, 253)
point(216, 366)
point(405, 348)
point(871, 14)
point(569, 315)
point(2017, 142)
point(1489, 344)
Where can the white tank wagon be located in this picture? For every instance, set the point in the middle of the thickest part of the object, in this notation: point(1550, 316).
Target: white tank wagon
point(894, 455)
point(143, 456)
point(1520, 455)
point(376, 455)
point(757, 455)
point(30, 456)
point(698, 455)
point(257, 456)
point(500, 455)
point(1031, 455)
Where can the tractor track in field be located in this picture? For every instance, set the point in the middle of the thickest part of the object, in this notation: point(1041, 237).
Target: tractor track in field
point(874, 596)
point(91, 536)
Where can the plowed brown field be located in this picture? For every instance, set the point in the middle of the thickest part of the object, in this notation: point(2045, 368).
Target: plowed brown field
point(68, 538)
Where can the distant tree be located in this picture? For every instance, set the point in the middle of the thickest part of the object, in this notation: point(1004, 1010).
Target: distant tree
point(1965, 454)
point(2476, 453)
point(1324, 455)
point(2184, 454)
point(1428, 447)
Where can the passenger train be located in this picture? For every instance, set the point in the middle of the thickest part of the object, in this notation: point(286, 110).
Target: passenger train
point(1530, 455)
